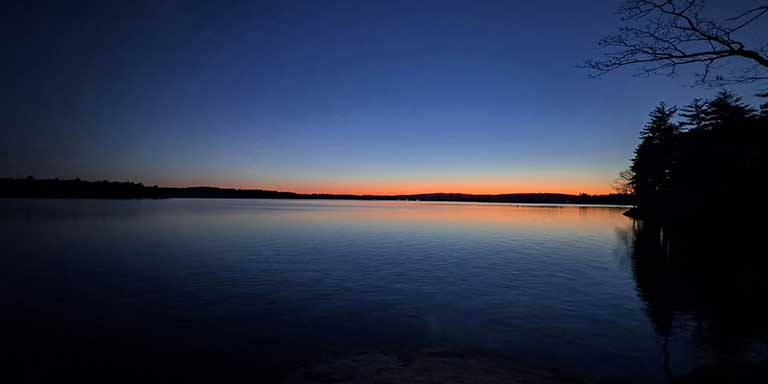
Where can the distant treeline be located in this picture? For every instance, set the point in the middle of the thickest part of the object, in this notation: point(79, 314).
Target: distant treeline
point(56, 188)
point(702, 161)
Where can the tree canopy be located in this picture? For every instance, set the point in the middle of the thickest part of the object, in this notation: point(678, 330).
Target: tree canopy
point(708, 153)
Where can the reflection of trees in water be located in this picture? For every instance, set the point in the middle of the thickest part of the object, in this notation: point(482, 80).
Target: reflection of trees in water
point(702, 285)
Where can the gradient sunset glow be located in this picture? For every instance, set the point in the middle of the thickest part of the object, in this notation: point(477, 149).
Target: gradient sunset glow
point(323, 97)
point(407, 187)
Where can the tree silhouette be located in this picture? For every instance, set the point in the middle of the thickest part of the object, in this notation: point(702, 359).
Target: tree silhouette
point(685, 172)
point(726, 109)
point(694, 114)
point(624, 184)
point(653, 159)
point(660, 35)
point(764, 106)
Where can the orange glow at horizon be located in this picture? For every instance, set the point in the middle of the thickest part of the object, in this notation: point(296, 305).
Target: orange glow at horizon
point(410, 187)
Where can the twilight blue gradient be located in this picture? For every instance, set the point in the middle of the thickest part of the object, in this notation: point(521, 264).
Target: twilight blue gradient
point(297, 94)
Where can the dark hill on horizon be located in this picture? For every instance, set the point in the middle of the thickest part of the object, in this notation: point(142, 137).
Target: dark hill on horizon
point(76, 188)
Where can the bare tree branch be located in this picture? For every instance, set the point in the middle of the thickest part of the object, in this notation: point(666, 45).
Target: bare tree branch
point(661, 35)
point(624, 183)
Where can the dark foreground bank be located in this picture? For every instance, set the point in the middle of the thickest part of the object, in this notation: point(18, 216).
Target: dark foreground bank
point(429, 366)
point(455, 366)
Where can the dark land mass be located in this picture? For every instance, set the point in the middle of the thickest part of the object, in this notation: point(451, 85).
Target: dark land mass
point(56, 188)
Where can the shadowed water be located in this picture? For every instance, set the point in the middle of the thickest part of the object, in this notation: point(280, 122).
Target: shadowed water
point(212, 289)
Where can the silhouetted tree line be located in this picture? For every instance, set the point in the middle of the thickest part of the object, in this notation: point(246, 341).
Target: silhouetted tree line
point(693, 160)
point(56, 188)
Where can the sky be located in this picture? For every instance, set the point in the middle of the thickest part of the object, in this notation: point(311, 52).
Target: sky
point(379, 97)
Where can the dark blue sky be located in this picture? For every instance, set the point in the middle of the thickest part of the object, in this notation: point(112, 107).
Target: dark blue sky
point(362, 97)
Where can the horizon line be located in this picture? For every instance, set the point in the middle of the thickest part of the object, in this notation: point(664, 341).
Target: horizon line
point(311, 193)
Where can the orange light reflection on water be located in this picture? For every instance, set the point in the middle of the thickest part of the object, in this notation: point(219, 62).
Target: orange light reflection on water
point(483, 216)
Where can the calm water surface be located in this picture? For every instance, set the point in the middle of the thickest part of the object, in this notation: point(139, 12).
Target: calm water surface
point(186, 288)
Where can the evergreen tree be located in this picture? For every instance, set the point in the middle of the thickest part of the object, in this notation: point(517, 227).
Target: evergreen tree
point(726, 109)
point(661, 127)
point(694, 115)
point(654, 157)
point(685, 173)
point(764, 106)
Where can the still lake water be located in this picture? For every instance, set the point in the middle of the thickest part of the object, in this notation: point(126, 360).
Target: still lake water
point(187, 288)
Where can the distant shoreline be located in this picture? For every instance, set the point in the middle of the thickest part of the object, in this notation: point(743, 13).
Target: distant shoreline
point(627, 206)
point(80, 189)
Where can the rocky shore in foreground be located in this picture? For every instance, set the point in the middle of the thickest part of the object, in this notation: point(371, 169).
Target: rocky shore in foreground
point(427, 367)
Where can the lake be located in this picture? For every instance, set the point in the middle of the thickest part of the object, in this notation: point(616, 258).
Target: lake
point(187, 289)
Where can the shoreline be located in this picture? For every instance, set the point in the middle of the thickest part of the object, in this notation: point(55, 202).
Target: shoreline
point(79, 189)
point(511, 203)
